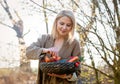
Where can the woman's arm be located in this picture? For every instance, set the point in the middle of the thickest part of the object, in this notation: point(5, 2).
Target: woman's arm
point(35, 49)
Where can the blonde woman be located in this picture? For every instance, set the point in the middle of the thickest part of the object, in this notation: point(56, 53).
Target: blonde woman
point(60, 42)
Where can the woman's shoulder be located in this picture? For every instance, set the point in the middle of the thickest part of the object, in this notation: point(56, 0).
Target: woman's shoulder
point(75, 40)
point(45, 36)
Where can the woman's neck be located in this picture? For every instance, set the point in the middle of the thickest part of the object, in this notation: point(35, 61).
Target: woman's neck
point(62, 37)
point(58, 43)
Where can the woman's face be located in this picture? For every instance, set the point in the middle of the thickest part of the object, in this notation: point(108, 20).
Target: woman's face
point(64, 26)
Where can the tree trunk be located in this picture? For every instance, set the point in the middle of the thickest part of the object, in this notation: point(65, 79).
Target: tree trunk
point(24, 63)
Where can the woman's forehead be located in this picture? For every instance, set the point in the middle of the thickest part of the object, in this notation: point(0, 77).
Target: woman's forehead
point(65, 19)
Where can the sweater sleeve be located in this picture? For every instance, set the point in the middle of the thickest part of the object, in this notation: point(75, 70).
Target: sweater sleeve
point(76, 48)
point(76, 52)
point(35, 49)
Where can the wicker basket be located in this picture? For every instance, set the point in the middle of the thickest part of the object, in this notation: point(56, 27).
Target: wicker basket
point(58, 67)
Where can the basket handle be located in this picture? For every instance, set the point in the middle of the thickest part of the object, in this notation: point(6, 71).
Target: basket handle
point(42, 56)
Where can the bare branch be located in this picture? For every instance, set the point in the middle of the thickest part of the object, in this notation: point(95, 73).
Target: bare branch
point(43, 7)
point(110, 76)
point(6, 25)
point(7, 9)
point(116, 10)
point(45, 15)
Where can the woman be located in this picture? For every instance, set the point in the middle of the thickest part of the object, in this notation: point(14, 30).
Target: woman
point(59, 43)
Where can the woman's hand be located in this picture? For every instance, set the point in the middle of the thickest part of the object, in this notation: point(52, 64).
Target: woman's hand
point(54, 54)
point(63, 76)
point(53, 51)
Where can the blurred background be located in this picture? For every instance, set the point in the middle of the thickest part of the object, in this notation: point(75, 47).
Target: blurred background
point(97, 29)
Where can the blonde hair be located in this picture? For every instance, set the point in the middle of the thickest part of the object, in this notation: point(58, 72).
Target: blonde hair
point(63, 13)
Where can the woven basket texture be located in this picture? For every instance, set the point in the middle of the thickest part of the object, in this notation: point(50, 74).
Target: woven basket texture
point(58, 68)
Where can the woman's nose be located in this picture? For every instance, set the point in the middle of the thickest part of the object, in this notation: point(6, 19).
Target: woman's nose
point(64, 27)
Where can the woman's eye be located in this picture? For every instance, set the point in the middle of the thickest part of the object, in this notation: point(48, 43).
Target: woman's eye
point(69, 25)
point(61, 23)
